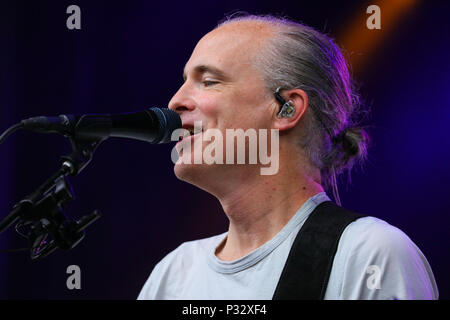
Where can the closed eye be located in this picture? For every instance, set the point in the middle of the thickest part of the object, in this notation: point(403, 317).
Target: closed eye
point(208, 83)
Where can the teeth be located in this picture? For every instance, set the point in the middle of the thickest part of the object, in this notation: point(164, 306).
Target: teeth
point(191, 131)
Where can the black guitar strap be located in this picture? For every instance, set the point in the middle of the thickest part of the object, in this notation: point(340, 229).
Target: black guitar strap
point(308, 266)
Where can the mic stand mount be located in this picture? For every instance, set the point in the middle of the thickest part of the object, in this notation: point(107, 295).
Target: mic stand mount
point(40, 216)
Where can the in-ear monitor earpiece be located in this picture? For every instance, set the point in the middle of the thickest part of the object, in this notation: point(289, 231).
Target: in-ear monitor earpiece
point(287, 109)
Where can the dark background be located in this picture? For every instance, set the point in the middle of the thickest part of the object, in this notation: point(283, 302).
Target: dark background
point(129, 55)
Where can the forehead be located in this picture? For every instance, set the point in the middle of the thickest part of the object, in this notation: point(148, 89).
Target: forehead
point(232, 47)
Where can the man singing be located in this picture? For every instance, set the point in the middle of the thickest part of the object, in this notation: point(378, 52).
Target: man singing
point(286, 238)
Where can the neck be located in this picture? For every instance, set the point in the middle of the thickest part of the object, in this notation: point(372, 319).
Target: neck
point(261, 206)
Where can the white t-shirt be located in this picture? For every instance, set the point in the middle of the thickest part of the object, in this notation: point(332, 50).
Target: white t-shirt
point(374, 260)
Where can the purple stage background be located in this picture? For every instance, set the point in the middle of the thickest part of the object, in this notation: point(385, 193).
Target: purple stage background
point(129, 56)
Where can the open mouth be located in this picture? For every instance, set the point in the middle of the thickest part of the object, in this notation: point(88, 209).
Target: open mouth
point(190, 131)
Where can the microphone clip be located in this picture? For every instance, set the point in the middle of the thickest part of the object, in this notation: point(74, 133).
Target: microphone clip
point(46, 226)
point(40, 217)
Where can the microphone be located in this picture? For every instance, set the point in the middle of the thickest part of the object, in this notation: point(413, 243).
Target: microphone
point(154, 125)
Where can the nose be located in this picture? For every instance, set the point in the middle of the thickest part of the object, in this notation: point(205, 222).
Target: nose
point(182, 101)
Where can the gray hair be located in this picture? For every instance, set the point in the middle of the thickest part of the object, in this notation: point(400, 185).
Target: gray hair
point(304, 58)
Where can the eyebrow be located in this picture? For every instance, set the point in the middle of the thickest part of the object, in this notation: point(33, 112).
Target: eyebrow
point(201, 69)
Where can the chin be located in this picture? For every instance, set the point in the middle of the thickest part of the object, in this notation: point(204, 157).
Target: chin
point(199, 175)
point(182, 171)
point(188, 172)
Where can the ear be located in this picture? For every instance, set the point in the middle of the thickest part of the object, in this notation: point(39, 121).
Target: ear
point(299, 100)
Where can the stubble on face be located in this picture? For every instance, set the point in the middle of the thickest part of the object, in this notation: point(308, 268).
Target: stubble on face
point(237, 103)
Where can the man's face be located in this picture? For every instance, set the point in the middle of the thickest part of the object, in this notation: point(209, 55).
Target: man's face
point(223, 89)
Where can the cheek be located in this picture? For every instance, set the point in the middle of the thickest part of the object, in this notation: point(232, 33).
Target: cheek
point(221, 113)
point(235, 110)
point(211, 111)
point(245, 118)
point(250, 110)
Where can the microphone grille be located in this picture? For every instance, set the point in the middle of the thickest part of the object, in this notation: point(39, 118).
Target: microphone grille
point(168, 121)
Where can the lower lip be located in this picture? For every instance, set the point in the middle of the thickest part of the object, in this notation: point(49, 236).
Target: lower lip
point(188, 138)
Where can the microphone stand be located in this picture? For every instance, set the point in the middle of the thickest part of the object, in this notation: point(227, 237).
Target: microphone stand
point(40, 216)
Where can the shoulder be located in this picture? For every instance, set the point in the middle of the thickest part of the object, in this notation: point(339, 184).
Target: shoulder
point(176, 266)
point(185, 253)
point(379, 261)
point(374, 234)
